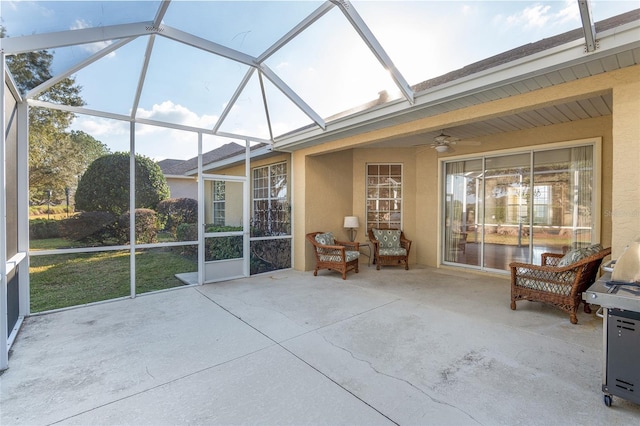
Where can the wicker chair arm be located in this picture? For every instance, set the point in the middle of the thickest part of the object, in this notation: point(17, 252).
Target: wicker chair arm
point(333, 247)
point(551, 259)
point(404, 242)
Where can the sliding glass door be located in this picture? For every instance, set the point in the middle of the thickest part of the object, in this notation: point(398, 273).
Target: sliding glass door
point(463, 212)
point(505, 208)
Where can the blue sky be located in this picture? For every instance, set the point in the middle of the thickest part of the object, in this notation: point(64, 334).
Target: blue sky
point(327, 65)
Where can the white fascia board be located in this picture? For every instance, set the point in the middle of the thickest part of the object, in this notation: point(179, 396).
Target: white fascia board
point(308, 21)
point(229, 161)
point(206, 45)
point(292, 95)
point(32, 43)
point(560, 57)
point(622, 38)
point(53, 81)
point(376, 48)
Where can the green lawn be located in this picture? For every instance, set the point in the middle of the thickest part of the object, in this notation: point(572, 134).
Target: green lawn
point(65, 280)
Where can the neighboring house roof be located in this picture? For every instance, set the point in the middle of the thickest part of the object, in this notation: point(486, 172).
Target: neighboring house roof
point(169, 164)
point(172, 167)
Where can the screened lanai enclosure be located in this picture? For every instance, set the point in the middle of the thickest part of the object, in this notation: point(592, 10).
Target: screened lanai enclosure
point(170, 89)
point(150, 85)
point(150, 145)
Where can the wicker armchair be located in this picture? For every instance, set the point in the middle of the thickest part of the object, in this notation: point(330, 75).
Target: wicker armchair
point(390, 247)
point(561, 286)
point(332, 254)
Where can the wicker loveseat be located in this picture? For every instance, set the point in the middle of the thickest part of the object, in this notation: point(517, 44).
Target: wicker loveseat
point(560, 280)
point(332, 254)
point(390, 247)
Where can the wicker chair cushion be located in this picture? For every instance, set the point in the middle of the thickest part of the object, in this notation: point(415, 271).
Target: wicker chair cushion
point(546, 286)
point(574, 255)
point(388, 238)
point(325, 239)
point(396, 251)
point(350, 255)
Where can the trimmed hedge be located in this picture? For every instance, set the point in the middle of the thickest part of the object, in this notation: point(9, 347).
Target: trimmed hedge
point(91, 228)
point(41, 229)
point(104, 186)
point(146, 231)
point(175, 211)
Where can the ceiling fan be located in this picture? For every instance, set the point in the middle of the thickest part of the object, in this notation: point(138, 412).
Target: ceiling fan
point(443, 142)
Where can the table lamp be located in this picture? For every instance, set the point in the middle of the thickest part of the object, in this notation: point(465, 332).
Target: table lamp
point(352, 224)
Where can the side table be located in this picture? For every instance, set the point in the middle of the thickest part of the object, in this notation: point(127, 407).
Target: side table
point(366, 245)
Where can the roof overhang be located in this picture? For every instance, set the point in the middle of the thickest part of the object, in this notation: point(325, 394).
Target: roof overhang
point(508, 79)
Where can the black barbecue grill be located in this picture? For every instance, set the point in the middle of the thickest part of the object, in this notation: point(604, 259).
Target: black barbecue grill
point(620, 307)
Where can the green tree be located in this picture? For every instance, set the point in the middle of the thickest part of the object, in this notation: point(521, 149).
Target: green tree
point(51, 149)
point(105, 184)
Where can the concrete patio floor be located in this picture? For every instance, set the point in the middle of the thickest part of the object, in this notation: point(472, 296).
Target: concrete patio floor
point(420, 347)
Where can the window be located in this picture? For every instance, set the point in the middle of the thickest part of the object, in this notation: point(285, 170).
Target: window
point(384, 196)
point(271, 212)
point(219, 202)
point(504, 208)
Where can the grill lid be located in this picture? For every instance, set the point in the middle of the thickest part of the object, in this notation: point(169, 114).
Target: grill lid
point(608, 295)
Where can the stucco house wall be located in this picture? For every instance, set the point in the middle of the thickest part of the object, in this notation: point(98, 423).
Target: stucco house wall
point(321, 181)
point(182, 187)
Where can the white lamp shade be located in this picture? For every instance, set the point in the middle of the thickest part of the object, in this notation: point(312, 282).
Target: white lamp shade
point(351, 222)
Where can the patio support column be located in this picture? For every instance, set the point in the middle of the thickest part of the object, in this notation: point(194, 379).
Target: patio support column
point(23, 207)
point(301, 261)
point(246, 211)
point(132, 207)
point(625, 211)
point(201, 220)
point(4, 336)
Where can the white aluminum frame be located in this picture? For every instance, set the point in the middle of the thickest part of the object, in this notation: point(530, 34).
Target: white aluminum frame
point(4, 323)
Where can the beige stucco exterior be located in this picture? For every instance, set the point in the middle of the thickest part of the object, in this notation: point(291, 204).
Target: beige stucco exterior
point(625, 204)
point(183, 187)
point(329, 178)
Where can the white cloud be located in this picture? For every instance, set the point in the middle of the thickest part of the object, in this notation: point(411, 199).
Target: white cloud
point(569, 13)
point(540, 15)
point(97, 126)
point(153, 141)
point(169, 112)
point(92, 47)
